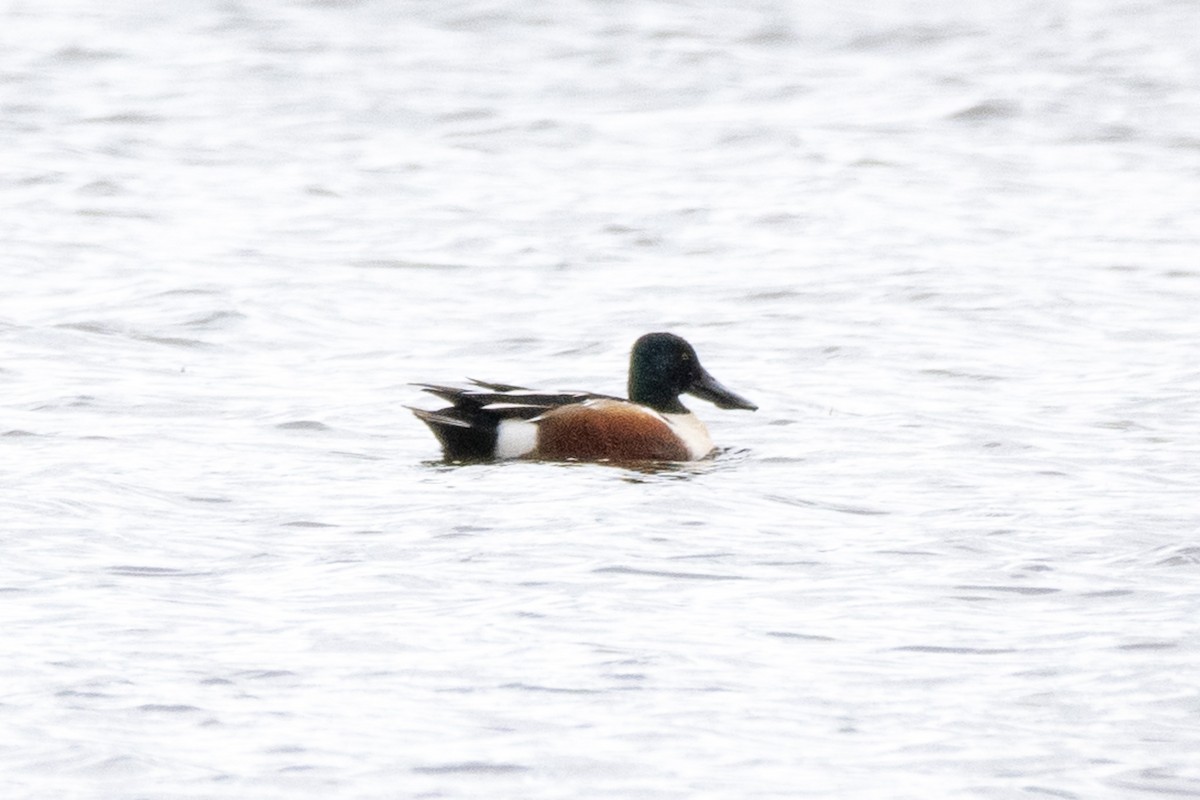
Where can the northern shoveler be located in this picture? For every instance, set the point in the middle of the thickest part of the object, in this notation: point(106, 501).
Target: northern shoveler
point(498, 421)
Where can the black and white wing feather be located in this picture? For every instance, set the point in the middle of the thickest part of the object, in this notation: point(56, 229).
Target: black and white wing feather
point(468, 427)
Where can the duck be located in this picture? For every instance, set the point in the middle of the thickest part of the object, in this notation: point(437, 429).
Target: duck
point(496, 421)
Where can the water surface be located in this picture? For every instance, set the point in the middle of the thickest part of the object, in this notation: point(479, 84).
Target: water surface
point(949, 249)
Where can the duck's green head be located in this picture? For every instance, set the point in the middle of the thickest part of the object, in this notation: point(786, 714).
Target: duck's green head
point(663, 366)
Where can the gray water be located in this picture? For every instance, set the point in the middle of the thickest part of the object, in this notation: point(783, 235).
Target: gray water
point(949, 248)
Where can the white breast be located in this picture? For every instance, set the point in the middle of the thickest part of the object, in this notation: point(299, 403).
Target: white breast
point(691, 430)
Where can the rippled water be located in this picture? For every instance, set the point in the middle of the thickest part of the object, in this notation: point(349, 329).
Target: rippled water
point(950, 249)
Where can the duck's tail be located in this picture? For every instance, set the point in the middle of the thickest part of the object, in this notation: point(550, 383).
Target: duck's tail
point(464, 436)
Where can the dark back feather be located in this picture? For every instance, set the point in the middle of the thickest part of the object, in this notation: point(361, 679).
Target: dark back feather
point(468, 428)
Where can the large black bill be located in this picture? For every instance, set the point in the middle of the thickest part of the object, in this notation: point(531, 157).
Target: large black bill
point(706, 387)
